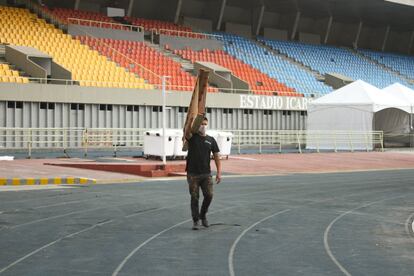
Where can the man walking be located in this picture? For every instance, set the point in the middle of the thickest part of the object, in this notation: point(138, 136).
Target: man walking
point(200, 146)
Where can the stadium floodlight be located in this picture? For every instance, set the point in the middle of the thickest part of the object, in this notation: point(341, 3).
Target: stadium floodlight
point(402, 2)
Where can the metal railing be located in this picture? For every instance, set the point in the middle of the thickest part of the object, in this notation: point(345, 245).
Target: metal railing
point(104, 24)
point(70, 138)
point(187, 34)
point(279, 140)
point(113, 139)
point(130, 85)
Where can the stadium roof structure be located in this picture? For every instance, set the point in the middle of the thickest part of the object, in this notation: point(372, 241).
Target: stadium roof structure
point(375, 12)
point(397, 13)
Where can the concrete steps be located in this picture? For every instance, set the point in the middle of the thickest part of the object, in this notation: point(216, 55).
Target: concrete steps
point(315, 73)
point(185, 64)
point(12, 66)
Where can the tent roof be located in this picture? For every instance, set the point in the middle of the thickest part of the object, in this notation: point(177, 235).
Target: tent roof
point(400, 91)
point(361, 93)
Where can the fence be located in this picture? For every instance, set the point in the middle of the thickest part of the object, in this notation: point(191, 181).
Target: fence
point(276, 140)
point(104, 24)
point(116, 138)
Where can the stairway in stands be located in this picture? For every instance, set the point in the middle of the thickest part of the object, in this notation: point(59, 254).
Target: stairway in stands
point(291, 60)
point(12, 67)
point(185, 64)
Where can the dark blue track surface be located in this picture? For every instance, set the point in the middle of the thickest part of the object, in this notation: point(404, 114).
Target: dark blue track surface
point(315, 224)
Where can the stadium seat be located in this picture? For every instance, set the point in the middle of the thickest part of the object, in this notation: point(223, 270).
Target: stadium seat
point(66, 51)
point(240, 69)
point(144, 61)
point(400, 63)
point(329, 59)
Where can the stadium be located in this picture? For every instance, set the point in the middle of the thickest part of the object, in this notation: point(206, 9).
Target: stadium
point(311, 103)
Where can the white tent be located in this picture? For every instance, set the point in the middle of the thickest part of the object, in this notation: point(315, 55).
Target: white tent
point(402, 92)
point(407, 95)
point(351, 109)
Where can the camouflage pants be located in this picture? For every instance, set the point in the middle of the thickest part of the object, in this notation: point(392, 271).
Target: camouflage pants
point(195, 182)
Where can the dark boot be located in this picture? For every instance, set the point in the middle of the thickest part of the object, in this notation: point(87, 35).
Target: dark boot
point(196, 225)
point(204, 222)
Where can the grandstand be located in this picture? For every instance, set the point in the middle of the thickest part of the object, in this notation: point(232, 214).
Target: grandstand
point(87, 66)
point(116, 71)
point(326, 59)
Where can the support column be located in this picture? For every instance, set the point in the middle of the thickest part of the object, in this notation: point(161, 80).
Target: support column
point(260, 19)
point(358, 34)
point(77, 2)
point(178, 11)
point(295, 25)
point(328, 30)
point(384, 43)
point(410, 44)
point(130, 6)
point(223, 6)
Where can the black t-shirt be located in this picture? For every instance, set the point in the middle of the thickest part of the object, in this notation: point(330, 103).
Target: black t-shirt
point(198, 157)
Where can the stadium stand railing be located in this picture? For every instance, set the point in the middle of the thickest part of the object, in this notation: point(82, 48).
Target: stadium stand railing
point(152, 24)
point(29, 139)
point(103, 24)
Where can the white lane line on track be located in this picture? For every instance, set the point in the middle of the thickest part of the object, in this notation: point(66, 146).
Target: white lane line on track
point(67, 214)
point(77, 233)
point(326, 233)
point(60, 204)
point(92, 227)
point(233, 246)
point(125, 260)
point(52, 243)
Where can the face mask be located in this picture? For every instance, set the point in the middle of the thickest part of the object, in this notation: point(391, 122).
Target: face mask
point(202, 129)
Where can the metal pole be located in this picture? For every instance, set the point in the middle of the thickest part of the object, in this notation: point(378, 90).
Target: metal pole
point(384, 43)
point(164, 137)
point(238, 140)
point(260, 20)
point(295, 26)
point(298, 139)
point(358, 34)
point(260, 143)
point(410, 44)
point(328, 29)
point(220, 18)
point(30, 144)
point(130, 6)
point(178, 11)
point(77, 2)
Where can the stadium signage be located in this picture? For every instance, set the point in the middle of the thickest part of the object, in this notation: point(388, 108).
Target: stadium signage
point(277, 103)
